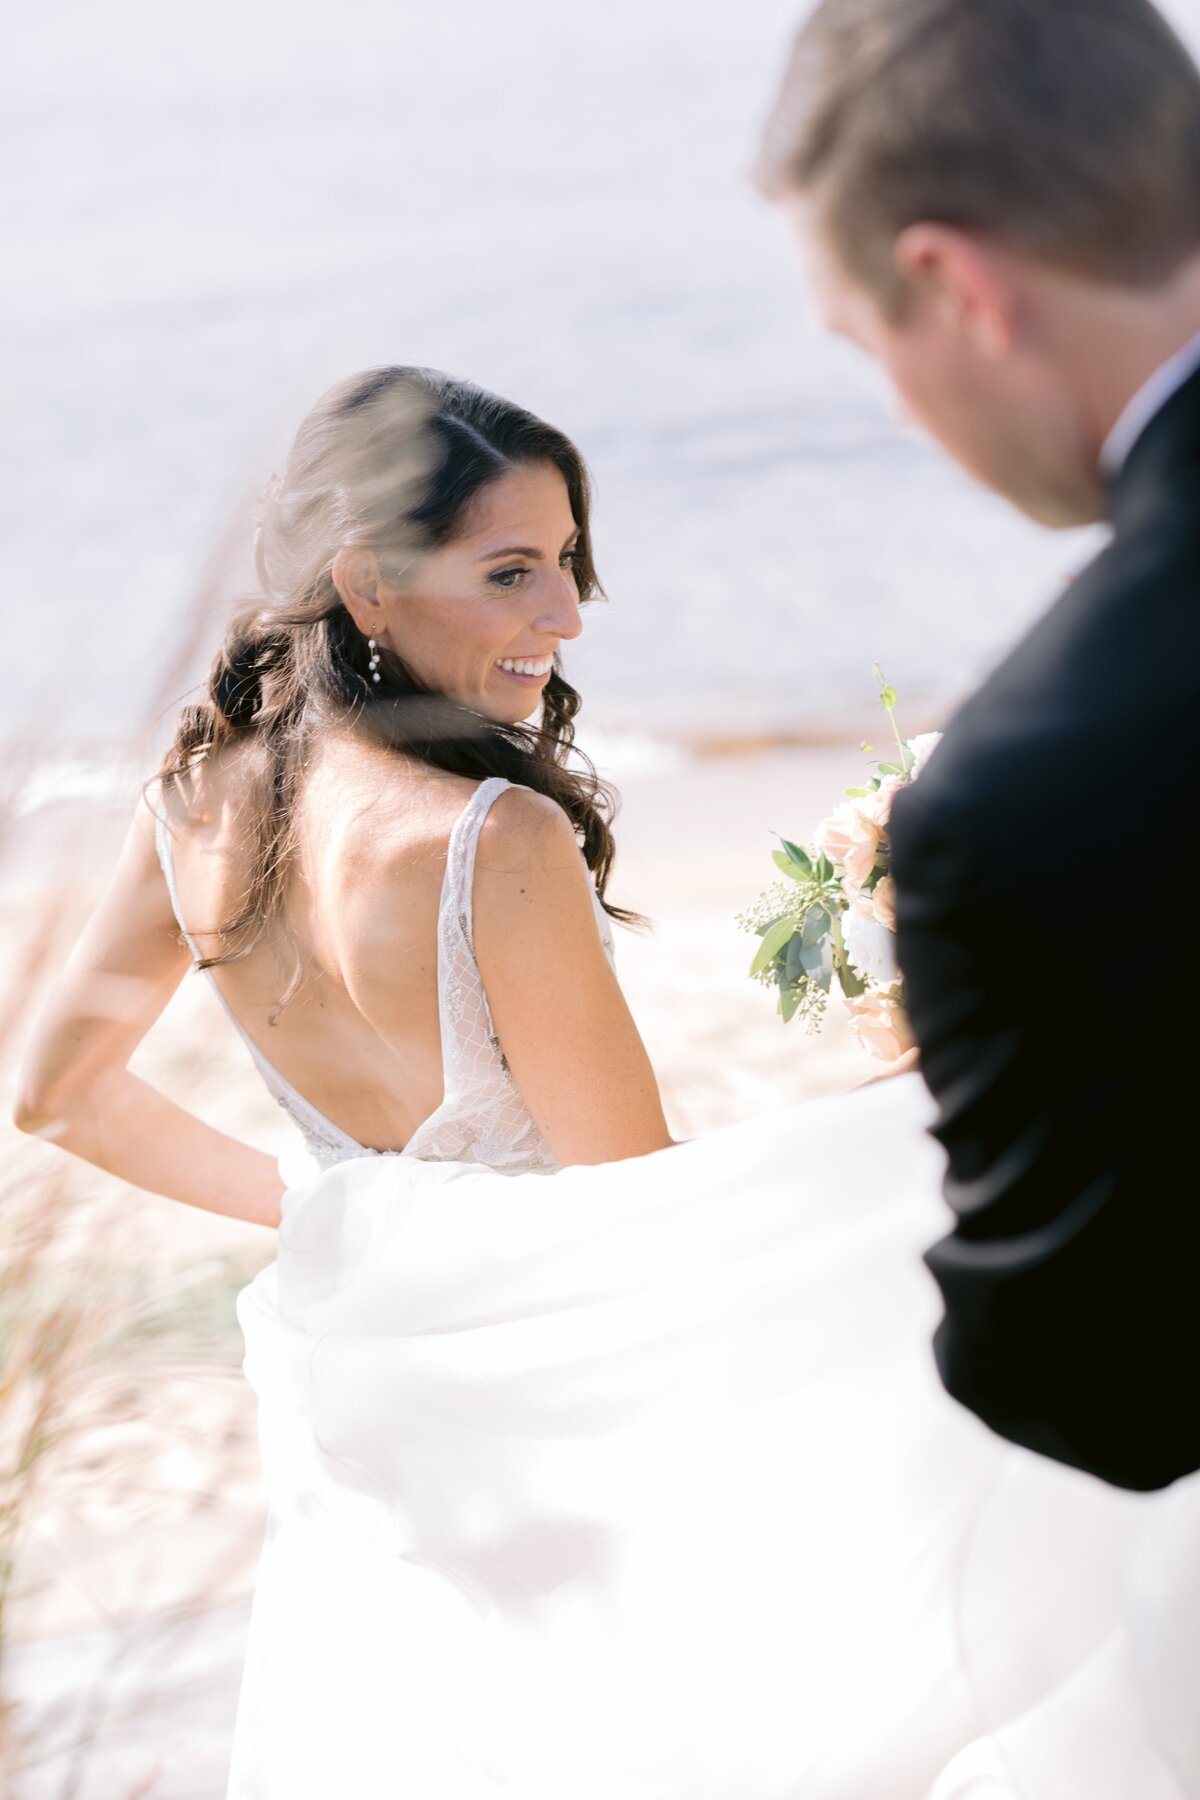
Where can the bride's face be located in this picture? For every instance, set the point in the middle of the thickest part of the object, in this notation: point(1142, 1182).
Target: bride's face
point(479, 619)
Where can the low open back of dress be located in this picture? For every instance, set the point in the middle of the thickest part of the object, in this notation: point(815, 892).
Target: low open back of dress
point(482, 1118)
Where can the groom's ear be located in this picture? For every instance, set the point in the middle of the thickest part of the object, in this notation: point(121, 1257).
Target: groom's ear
point(963, 282)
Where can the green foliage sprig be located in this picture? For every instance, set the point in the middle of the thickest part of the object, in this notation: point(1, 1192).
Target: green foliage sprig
point(798, 921)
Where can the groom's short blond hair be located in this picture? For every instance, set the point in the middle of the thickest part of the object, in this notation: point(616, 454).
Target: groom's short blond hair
point(1069, 129)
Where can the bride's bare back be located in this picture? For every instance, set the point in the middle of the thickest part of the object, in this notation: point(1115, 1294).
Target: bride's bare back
point(360, 1037)
point(366, 899)
point(361, 1040)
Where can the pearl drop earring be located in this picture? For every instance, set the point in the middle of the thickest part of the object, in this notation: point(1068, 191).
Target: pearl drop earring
point(373, 665)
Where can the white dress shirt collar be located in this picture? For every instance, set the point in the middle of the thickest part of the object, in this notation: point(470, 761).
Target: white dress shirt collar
point(1149, 400)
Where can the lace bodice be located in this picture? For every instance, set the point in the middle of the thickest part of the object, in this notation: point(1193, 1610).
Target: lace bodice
point(482, 1118)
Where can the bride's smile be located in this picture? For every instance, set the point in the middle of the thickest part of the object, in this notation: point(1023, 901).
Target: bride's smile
point(533, 670)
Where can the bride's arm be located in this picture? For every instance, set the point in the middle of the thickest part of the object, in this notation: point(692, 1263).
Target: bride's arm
point(75, 1088)
point(566, 1031)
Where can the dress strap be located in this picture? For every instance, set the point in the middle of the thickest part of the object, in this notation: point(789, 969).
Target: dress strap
point(458, 887)
point(162, 838)
point(460, 856)
point(162, 841)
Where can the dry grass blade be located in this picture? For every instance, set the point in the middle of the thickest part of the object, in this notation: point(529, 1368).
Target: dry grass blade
point(115, 1358)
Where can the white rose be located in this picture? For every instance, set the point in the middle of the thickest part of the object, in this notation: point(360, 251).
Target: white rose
point(871, 948)
point(921, 749)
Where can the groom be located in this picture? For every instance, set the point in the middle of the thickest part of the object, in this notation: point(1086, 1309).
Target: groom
point(1000, 200)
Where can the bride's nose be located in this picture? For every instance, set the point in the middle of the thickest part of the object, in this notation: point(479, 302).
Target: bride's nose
point(558, 615)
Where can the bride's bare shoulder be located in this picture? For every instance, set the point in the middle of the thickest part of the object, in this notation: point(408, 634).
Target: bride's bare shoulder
point(524, 832)
point(531, 882)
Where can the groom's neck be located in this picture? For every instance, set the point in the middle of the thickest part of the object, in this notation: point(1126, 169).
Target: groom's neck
point(1108, 341)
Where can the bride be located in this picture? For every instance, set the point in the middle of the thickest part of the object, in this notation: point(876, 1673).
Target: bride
point(598, 1466)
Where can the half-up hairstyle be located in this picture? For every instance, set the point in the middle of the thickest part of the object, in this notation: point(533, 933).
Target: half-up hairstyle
point(389, 461)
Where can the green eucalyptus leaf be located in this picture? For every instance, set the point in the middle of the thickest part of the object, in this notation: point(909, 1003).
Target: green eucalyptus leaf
point(793, 967)
point(775, 937)
point(783, 861)
point(863, 793)
point(891, 769)
point(789, 1001)
point(824, 869)
point(816, 925)
point(800, 857)
point(818, 964)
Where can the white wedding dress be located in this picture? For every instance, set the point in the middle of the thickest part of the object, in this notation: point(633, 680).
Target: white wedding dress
point(636, 1482)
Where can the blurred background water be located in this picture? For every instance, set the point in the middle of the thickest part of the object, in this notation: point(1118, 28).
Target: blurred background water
point(211, 212)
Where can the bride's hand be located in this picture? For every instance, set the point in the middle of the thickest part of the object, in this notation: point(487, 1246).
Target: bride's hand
point(903, 1065)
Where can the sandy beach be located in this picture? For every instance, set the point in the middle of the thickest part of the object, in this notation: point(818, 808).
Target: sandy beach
point(130, 1604)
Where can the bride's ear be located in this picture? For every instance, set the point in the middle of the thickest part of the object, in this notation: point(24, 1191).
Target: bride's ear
point(355, 575)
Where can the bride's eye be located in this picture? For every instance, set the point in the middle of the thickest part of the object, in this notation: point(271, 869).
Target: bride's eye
point(507, 578)
point(570, 559)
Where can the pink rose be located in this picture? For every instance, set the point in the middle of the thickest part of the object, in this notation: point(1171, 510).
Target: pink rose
point(883, 903)
point(880, 1024)
point(851, 840)
point(853, 836)
point(879, 805)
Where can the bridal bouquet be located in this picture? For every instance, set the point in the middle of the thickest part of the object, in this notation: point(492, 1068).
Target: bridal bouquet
point(833, 918)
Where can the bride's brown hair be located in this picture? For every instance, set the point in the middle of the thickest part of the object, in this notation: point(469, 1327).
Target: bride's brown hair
point(388, 460)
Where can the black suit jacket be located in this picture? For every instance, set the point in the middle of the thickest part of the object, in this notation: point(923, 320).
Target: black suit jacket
point(1047, 866)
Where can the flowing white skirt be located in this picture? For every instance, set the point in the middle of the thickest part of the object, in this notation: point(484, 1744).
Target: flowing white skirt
point(637, 1483)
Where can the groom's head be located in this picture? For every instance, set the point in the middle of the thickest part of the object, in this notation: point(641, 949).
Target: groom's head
point(1000, 200)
